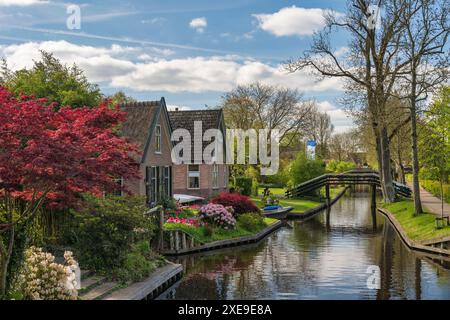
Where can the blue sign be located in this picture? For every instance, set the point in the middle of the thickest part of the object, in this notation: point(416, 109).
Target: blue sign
point(311, 143)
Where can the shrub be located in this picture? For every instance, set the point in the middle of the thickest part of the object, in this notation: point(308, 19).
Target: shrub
point(303, 169)
point(217, 215)
point(41, 278)
point(251, 221)
point(139, 263)
point(244, 185)
point(241, 204)
point(340, 166)
point(105, 230)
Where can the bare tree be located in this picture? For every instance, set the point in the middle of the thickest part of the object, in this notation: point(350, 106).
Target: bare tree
point(371, 66)
point(260, 106)
point(320, 130)
point(427, 24)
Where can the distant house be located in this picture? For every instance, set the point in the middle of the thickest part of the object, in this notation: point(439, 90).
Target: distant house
point(202, 180)
point(148, 126)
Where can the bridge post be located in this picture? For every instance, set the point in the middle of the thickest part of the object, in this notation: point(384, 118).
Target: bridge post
point(327, 194)
point(373, 205)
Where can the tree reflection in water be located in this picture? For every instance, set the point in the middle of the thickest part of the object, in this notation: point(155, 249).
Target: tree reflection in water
point(318, 260)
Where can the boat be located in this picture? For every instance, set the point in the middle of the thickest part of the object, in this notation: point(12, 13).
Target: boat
point(277, 212)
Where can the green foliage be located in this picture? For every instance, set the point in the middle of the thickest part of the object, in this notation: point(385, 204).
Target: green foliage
point(303, 169)
point(139, 263)
point(105, 229)
point(120, 98)
point(255, 186)
point(252, 221)
point(244, 185)
point(168, 203)
point(49, 78)
point(340, 166)
point(434, 187)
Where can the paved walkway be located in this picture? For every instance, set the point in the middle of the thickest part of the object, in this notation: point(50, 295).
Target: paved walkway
point(432, 203)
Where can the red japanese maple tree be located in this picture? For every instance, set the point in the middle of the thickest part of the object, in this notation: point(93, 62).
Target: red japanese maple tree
point(49, 157)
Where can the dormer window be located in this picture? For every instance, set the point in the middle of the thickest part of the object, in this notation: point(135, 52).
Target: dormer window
point(158, 139)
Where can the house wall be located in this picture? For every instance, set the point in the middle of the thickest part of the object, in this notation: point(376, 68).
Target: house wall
point(137, 187)
point(206, 190)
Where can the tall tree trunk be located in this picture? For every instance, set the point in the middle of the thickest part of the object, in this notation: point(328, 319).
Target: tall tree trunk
point(415, 156)
point(401, 168)
point(387, 183)
point(5, 257)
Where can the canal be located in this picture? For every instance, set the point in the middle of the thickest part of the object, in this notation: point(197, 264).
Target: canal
point(314, 259)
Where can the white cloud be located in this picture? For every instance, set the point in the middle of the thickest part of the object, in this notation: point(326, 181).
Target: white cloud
point(291, 21)
point(199, 24)
point(147, 69)
point(21, 3)
point(341, 121)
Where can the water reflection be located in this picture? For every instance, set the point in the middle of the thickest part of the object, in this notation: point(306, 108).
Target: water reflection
point(318, 259)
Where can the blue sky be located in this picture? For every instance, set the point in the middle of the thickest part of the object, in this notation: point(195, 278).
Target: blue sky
point(190, 52)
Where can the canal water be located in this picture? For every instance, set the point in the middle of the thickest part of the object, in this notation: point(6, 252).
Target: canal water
point(314, 259)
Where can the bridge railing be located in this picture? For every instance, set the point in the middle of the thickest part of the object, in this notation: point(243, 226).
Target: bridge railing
point(346, 178)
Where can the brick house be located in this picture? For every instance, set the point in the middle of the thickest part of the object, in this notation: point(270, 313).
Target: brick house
point(148, 126)
point(202, 180)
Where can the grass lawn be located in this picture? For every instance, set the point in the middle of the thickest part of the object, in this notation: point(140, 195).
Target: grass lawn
point(218, 234)
point(418, 228)
point(300, 205)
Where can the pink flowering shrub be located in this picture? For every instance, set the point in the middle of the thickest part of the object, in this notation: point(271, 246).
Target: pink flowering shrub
point(218, 215)
point(188, 222)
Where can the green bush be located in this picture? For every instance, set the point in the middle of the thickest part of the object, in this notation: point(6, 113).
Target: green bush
point(244, 185)
point(255, 187)
point(434, 188)
point(139, 263)
point(340, 166)
point(251, 221)
point(105, 229)
point(303, 169)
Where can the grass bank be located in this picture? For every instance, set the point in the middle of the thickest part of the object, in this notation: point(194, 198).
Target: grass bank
point(202, 235)
point(418, 228)
point(300, 205)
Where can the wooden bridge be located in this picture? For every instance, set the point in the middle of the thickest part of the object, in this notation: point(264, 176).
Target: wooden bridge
point(356, 177)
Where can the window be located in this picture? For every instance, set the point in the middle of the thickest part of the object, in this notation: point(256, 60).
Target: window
point(168, 181)
point(152, 185)
point(118, 191)
point(158, 139)
point(193, 176)
point(215, 176)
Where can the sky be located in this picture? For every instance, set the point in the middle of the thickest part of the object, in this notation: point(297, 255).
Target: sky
point(189, 51)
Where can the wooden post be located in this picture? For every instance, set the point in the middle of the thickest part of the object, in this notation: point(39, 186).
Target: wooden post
point(177, 241)
point(183, 240)
point(327, 193)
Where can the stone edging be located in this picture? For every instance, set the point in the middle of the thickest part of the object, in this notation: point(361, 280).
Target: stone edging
point(153, 286)
point(411, 243)
point(227, 243)
point(310, 212)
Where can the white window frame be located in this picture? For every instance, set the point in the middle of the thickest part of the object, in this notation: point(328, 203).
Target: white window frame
point(158, 134)
point(215, 176)
point(193, 174)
